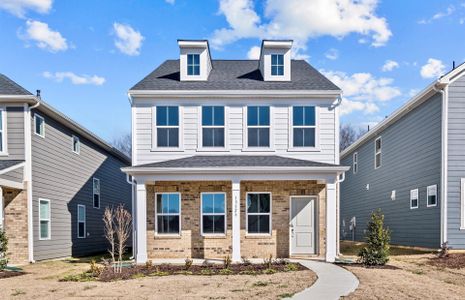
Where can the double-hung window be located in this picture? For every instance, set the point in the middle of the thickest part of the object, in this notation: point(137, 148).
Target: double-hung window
point(39, 125)
point(258, 213)
point(213, 126)
point(378, 146)
point(44, 219)
point(2, 130)
point(258, 126)
point(81, 221)
point(303, 126)
point(76, 144)
point(413, 198)
point(168, 213)
point(432, 195)
point(193, 64)
point(277, 64)
point(167, 124)
point(96, 192)
point(355, 163)
point(213, 213)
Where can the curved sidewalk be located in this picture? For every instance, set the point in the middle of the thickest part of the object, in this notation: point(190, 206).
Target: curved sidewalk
point(333, 281)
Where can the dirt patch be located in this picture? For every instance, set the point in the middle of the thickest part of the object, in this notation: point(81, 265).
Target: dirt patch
point(41, 282)
point(452, 261)
point(8, 274)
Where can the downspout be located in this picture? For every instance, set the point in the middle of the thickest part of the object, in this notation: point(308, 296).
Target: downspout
point(28, 177)
point(339, 181)
point(444, 161)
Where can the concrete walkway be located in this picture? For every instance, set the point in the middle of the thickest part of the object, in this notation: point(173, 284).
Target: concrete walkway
point(333, 282)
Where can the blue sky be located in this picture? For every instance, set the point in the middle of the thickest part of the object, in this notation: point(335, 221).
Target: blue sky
point(85, 55)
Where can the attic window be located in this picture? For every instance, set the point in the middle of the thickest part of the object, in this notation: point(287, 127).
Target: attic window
point(193, 64)
point(277, 64)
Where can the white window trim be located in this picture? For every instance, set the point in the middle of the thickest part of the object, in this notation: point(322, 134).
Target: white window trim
point(36, 115)
point(283, 65)
point(262, 214)
point(214, 214)
point(85, 222)
point(435, 187)
point(99, 192)
point(355, 163)
point(462, 204)
point(180, 127)
point(245, 131)
point(49, 220)
point(4, 131)
point(200, 147)
point(291, 147)
point(78, 144)
point(187, 65)
point(380, 152)
point(168, 214)
point(412, 192)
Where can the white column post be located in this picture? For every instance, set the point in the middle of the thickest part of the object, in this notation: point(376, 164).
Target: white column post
point(236, 221)
point(141, 223)
point(331, 222)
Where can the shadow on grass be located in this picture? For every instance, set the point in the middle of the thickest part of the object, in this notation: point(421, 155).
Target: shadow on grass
point(96, 257)
point(350, 248)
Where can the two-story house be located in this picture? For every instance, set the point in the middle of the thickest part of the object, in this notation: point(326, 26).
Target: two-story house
point(56, 178)
point(412, 167)
point(235, 158)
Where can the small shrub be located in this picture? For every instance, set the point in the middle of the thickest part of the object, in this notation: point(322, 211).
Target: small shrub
point(95, 270)
point(281, 261)
point(377, 237)
point(268, 261)
point(225, 272)
point(444, 252)
point(188, 264)
point(83, 277)
point(227, 262)
point(183, 273)
point(269, 271)
point(206, 272)
point(137, 275)
point(3, 249)
point(291, 267)
point(248, 272)
point(149, 264)
point(245, 261)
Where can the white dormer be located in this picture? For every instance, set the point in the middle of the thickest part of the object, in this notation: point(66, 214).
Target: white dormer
point(194, 61)
point(275, 60)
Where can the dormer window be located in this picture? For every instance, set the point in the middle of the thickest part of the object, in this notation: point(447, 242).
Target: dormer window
point(277, 64)
point(193, 64)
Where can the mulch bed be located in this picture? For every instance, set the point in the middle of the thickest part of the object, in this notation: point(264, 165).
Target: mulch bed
point(207, 270)
point(8, 274)
point(452, 261)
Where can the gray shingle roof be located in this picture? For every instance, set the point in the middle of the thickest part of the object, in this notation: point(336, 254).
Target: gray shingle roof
point(9, 87)
point(235, 75)
point(213, 161)
point(4, 164)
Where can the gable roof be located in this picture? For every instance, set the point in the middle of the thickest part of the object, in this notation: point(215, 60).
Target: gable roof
point(9, 87)
point(235, 75)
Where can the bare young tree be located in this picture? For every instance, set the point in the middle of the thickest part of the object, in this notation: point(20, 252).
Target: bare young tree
point(348, 135)
point(110, 231)
point(123, 144)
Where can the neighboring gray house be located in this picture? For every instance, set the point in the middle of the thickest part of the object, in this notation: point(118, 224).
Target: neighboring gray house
point(56, 178)
point(412, 167)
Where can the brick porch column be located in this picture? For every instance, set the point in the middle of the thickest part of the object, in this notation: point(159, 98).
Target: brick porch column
point(236, 221)
point(141, 223)
point(331, 222)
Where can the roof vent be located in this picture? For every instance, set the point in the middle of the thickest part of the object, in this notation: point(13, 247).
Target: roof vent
point(38, 94)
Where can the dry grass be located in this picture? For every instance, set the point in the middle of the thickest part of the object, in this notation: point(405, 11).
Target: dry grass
point(409, 274)
point(41, 282)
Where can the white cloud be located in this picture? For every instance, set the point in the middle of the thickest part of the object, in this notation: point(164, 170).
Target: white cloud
point(128, 40)
point(348, 107)
point(44, 37)
point(254, 53)
point(19, 7)
point(432, 69)
point(413, 92)
point(75, 79)
point(389, 65)
point(439, 15)
point(170, 1)
point(332, 54)
point(301, 20)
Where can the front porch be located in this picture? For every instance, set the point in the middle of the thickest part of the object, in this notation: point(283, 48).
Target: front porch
point(259, 218)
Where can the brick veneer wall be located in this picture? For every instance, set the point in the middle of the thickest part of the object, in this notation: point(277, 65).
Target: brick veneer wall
point(191, 244)
point(15, 209)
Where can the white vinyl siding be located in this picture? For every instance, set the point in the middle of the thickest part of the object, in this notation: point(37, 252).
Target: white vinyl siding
point(44, 219)
point(81, 221)
point(378, 152)
point(432, 195)
point(39, 125)
point(414, 199)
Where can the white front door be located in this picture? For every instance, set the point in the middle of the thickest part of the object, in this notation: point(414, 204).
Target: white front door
point(302, 225)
